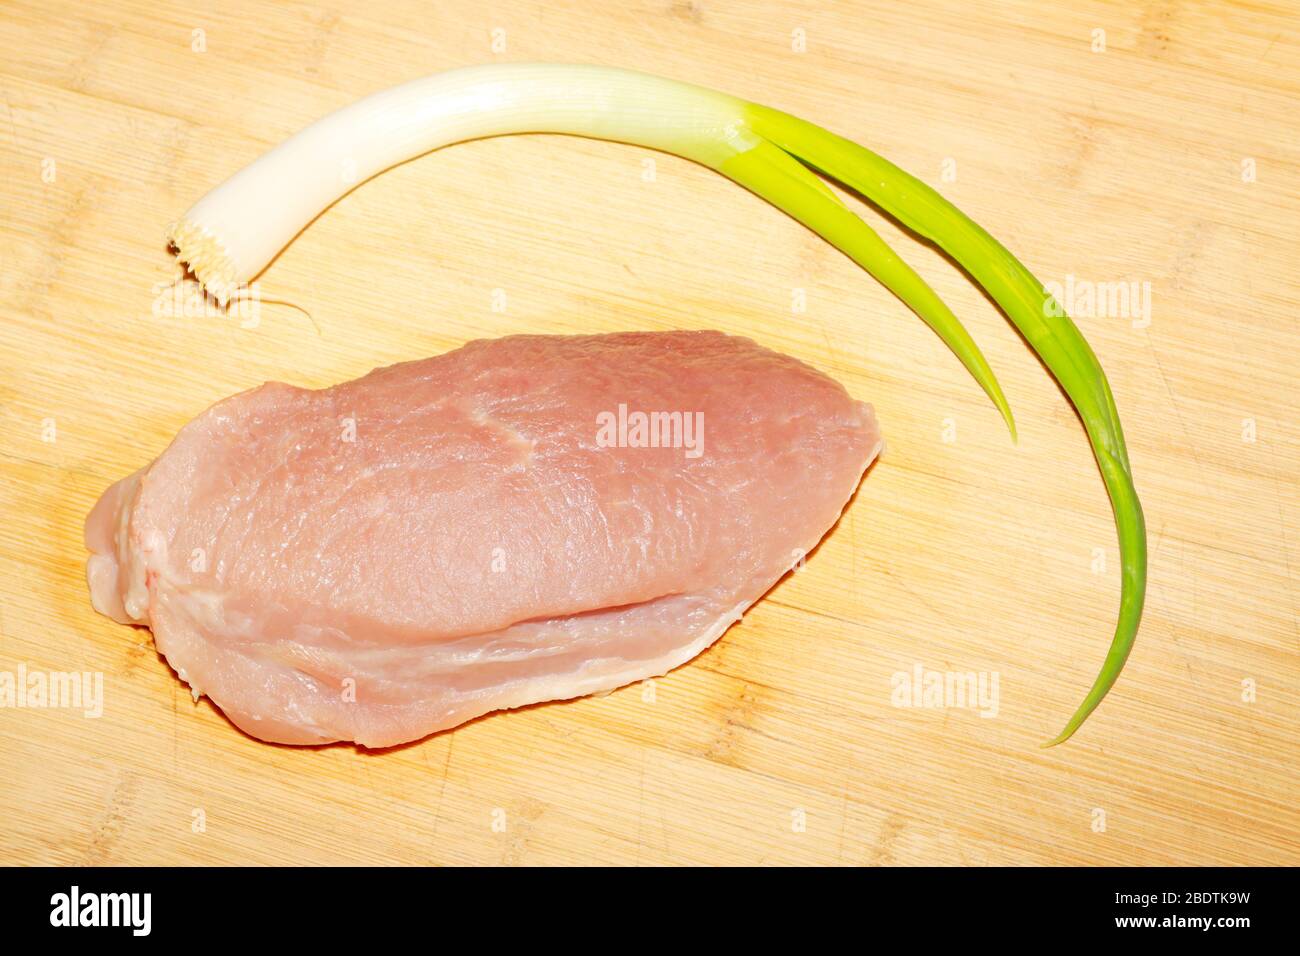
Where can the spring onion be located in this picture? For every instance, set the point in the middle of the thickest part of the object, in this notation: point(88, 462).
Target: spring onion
point(230, 235)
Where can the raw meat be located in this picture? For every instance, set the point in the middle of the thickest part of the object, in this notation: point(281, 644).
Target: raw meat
point(489, 528)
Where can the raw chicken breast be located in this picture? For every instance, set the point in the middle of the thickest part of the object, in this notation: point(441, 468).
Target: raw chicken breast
point(490, 528)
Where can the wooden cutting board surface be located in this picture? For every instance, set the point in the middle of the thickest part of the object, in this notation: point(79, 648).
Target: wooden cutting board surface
point(1160, 153)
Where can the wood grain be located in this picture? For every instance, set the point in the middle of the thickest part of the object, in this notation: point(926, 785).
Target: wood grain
point(961, 552)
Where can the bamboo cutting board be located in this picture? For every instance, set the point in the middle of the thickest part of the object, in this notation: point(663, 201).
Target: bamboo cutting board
point(1149, 144)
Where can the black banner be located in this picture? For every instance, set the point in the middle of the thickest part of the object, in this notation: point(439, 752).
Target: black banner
point(335, 905)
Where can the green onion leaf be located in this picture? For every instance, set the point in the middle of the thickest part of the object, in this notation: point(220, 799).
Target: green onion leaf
point(1049, 331)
